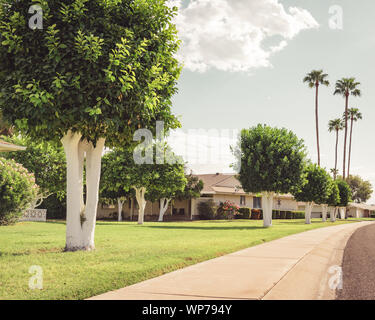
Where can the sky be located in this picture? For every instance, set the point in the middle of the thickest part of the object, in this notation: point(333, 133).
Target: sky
point(244, 62)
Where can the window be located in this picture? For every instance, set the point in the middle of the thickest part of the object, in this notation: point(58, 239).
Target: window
point(242, 200)
point(257, 203)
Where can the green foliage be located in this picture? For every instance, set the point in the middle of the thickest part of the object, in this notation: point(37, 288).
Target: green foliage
point(270, 159)
point(115, 180)
point(207, 210)
point(103, 68)
point(121, 174)
point(298, 214)
point(192, 190)
point(334, 195)
point(245, 213)
point(361, 189)
point(317, 185)
point(17, 190)
point(345, 193)
point(45, 160)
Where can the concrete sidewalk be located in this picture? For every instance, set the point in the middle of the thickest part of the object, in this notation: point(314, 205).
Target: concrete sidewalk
point(293, 267)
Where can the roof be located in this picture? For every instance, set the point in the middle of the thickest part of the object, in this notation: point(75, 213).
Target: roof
point(362, 206)
point(224, 183)
point(6, 146)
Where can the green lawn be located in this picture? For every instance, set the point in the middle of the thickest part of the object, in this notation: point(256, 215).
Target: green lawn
point(125, 253)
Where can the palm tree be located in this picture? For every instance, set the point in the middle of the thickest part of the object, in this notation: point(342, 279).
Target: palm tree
point(354, 115)
point(335, 125)
point(314, 79)
point(347, 87)
point(334, 172)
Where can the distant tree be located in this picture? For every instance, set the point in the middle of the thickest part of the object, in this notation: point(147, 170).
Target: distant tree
point(345, 196)
point(115, 182)
point(169, 180)
point(335, 125)
point(314, 79)
point(354, 115)
point(269, 161)
point(346, 87)
point(47, 161)
point(334, 199)
point(315, 190)
point(193, 188)
point(361, 189)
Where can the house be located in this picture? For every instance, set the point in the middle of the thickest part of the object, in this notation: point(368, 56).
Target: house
point(219, 188)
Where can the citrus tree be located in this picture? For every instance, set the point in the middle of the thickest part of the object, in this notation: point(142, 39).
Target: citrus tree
point(333, 200)
point(95, 73)
point(315, 190)
point(167, 182)
point(114, 183)
point(269, 161)
point(345, 196)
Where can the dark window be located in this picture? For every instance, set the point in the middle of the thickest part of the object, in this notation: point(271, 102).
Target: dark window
point(242, 200)
point(257, 203)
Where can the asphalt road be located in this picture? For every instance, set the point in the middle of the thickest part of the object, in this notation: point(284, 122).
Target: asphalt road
point(359, 266)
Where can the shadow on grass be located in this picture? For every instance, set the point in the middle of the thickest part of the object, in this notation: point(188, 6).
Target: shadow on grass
point(191, 227)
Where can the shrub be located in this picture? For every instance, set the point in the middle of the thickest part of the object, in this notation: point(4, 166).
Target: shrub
point(206, 210)
point(227, 210)
point(298, 214)
point(56, 208)
point(17, 191)
point(244, 213)
point(256, 214)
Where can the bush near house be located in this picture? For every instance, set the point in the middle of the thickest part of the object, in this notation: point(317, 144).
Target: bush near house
point(256, 214)
point(227, 210)
point(17, 191)
point(279, 214)
point(244, 213)
point(207, 210)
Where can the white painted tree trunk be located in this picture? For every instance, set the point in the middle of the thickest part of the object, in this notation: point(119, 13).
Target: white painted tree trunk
point(342, 213)
point(267, 205)
point(333, 214)
point(120, 203)
point(140, 196)
point(74, 193)
point(308, 209)
point(131, 208)
point(93, 166)
point(324, 212)
point(81, 218)
point(164, 203)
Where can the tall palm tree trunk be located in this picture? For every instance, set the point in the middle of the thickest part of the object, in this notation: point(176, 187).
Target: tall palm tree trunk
point(350, 144)
point(346, 134)
point(337, 143)
point(317, 121)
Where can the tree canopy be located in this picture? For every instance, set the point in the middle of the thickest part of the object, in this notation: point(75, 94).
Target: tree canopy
point(361, 189)
point(334, 195)
point(345, 193)
point(270, 159)
point(193, 188)
point(317, 185)
point(101, 68)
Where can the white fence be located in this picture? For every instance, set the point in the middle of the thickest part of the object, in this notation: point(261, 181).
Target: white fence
point(35, 215)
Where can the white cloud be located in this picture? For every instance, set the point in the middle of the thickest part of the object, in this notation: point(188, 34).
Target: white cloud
point(229, 35)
